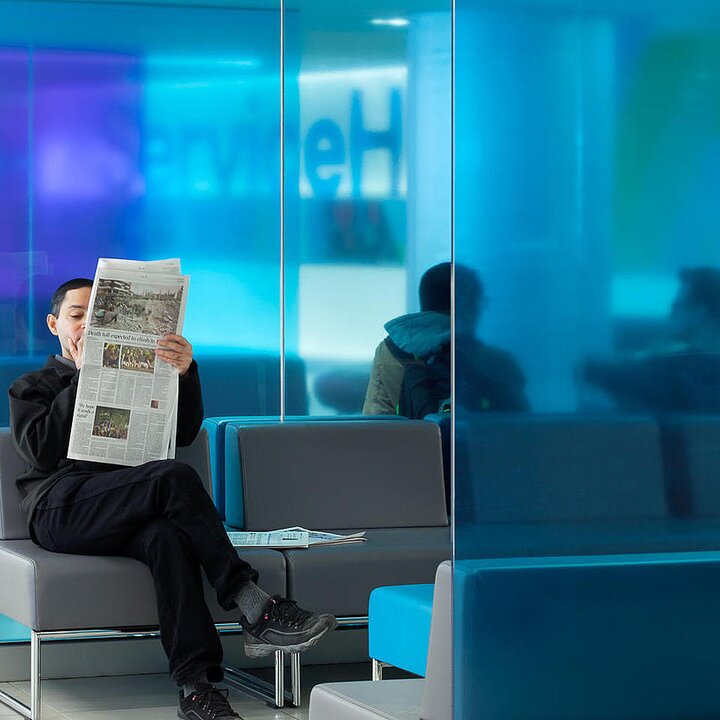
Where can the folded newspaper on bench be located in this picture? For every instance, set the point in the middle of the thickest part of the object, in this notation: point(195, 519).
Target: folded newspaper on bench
point(126, 402)
point(294, 537)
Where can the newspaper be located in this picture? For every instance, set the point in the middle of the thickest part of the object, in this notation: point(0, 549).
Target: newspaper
point(126, 403)
point(294, 537)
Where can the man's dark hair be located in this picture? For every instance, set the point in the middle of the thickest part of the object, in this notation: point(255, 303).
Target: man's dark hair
point(59, 295)
point(435, 288)
point(702, 285)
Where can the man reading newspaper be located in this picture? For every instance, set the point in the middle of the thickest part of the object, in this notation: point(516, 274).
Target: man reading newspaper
point(157, 512)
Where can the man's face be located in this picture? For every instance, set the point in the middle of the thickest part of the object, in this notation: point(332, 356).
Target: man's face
point(69, 325)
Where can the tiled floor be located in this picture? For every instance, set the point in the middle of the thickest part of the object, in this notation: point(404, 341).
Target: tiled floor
point(154, 697)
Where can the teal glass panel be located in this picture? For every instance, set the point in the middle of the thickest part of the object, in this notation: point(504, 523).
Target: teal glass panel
point(588, 276)
point(123, 138)
point(367, 193)
point(11, 631)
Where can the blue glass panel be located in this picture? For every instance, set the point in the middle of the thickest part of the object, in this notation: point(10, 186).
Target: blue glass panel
point(87, 180)
point(367, 184)
point(588, 265)
point(10, 631)
point(125, 140)
point(15, 254)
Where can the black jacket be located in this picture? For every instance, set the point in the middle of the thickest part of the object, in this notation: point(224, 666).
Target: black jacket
point(41, 413)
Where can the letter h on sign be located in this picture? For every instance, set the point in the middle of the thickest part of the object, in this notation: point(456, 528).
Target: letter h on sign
point(325, 146)
point(362, 140)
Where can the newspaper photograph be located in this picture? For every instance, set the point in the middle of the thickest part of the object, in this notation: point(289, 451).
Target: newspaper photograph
point(126, 403)
point(142, 307)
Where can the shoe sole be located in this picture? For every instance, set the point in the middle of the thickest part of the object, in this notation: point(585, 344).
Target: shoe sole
point(194, 716)
point(257, 650)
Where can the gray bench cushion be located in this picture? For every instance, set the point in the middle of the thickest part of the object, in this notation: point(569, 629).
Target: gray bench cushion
point(339, 579)
point(197, 456)
point(341, 475)
point(13, 524)
point(694, 464)
point(55, 591)
point(523, 468)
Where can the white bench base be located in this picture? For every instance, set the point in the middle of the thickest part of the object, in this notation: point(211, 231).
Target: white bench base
point(386, 700)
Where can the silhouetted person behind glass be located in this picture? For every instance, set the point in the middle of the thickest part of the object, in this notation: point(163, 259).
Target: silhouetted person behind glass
point(488, 379)
point(682, 372)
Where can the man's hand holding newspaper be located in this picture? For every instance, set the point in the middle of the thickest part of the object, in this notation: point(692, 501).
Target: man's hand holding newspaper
point(175, 350)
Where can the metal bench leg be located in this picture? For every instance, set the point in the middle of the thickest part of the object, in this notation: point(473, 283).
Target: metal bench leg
point(295, 678)
point(279, 679)
point(35, 707)
point(377, 669)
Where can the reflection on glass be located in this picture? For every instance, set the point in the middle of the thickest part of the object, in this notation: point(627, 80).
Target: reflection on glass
point(488, 378)
point(410, 375)
point(370, 128)
point(680, 371)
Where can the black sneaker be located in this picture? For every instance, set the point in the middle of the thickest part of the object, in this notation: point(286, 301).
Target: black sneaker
point(206, 703)
point(285, 626)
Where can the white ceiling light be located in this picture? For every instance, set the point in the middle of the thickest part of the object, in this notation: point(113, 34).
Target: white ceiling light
point(390, 22)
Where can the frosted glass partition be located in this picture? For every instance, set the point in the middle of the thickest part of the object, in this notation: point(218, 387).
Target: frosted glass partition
point(588, 262)
point(368, 179)
point(146, 132)
point(586, 148)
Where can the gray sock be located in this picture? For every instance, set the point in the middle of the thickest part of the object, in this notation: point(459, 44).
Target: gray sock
point(251, 601)
point(194, 683)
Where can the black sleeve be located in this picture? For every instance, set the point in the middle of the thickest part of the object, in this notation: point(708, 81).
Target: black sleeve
point(41, 414)
point(520, 401)
point(190, 406)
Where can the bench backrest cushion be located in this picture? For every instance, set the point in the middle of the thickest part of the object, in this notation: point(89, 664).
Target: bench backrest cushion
point(13, 525)
point(535, 469)
point(220, 428)
point(327, 475)
point(197, 456)
point(693, 455)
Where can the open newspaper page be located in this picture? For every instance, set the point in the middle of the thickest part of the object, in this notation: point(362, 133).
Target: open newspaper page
point(290, 538)
point(126, 404)
point(294, 537)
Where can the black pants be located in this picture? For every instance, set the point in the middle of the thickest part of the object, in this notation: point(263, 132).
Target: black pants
point(158, 513)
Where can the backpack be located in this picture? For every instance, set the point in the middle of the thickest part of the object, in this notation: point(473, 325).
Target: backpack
point(425, 387)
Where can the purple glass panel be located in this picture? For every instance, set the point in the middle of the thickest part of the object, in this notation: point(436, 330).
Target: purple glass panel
point(87, 175)
point(14, 257)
